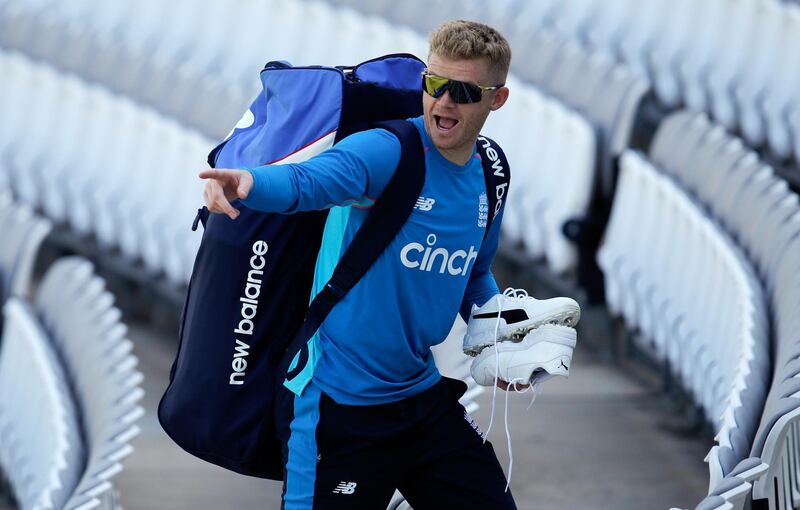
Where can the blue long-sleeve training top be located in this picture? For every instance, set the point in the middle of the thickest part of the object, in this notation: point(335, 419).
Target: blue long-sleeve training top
point(374, 347)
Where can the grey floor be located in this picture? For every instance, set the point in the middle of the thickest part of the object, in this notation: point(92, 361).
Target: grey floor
point(594, 441)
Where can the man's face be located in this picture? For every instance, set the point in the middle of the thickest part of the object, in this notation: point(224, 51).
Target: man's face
point(453, 128)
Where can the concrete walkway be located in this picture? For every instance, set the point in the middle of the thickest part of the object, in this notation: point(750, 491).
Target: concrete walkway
point(595, 441)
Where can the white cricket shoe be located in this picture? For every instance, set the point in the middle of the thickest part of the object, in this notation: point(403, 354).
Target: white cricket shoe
point(544, 352)
point(517, 313)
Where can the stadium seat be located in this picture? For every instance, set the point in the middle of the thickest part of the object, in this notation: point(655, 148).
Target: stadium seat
point(754, 85)
point(733, 490)
point(679, 303)
point(23, 233)
point(570, 191)
point(41, 450)
point(106, 189)
point(540, 51)
point(783, 81)
point(86, 329)
point(552, 186)
point(775, 444)
point(764, 216)
point(672, 137)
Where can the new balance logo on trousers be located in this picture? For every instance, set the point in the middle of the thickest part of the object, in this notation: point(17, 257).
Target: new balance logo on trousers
point(345, 488)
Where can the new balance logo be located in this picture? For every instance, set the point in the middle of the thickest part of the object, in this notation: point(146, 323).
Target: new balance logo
point(345, 488)
point(424, 204)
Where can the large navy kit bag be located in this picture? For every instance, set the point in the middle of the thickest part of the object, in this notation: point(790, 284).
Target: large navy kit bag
point(249, 307)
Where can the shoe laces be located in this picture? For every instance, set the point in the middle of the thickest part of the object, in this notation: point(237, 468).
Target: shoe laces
point(516, 293)
point(532, 386)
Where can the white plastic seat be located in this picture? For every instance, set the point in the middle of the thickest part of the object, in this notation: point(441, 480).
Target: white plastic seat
point(701, 163)
point(664, 60)
point(700, 307)
point(573, 188)
point(729, 62)
point(751, 92)
point(540, 50)
point(23, 233)
point(639, 39)
point(87, 331)
point(669, 138)
point(41, 449)
point(537, 197)
point(783, 82)
point(704, 30)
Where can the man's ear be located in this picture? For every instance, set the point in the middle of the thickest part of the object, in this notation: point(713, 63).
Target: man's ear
point(500, 98)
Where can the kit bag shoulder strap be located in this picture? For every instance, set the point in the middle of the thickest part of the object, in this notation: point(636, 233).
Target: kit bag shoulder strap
point(386, 218)
point(497, 175)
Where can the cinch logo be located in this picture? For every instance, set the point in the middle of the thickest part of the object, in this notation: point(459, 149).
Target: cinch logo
point(456, 263)
point(498, 170)
point(248, 312)
point(424, 204)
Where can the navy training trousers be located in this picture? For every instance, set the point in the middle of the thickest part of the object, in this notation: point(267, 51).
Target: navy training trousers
point(353, 457)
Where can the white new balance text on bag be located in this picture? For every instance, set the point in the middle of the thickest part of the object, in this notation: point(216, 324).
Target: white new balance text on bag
point(249, 310)
point(499, 171)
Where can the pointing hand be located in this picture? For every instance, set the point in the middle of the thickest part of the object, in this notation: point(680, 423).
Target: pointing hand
point(223, 186)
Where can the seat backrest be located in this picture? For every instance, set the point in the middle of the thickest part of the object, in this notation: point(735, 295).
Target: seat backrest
point(86, 329)
point(41, 450)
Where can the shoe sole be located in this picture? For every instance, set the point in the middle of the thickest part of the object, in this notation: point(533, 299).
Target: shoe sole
point(568, 317)
point(553, 355)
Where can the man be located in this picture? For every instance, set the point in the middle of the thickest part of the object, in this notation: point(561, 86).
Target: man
point(370, 412)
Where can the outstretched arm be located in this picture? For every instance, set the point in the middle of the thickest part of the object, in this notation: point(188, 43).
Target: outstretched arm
point(356, 169)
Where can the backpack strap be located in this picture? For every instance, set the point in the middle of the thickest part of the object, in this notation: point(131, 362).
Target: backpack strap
point(384, 221)
point(497, 175)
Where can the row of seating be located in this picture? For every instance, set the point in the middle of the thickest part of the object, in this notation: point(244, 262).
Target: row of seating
point(606, 93)
point(756, 206)
point(197, 62)
point(129, 180)
point(683, 48)
point(68, 381)
point(675, 276)
point(86, 328)
point(686, 50)
point(741, 191)
point(552, 180)
point(41, 450)
point(125, 210)
point(593, 83)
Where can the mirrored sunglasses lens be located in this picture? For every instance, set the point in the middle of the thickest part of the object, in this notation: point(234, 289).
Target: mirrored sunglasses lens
point(457, 92)
point(435, 85)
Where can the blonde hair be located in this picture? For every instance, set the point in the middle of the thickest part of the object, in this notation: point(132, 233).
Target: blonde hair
point(467, 40)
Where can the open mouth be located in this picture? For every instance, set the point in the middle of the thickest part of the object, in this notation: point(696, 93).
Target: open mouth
point(445, 123)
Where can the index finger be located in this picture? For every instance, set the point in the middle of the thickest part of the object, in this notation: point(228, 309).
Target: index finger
point(209, 173)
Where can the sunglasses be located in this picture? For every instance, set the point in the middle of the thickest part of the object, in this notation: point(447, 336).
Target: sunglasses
point(461, 92)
